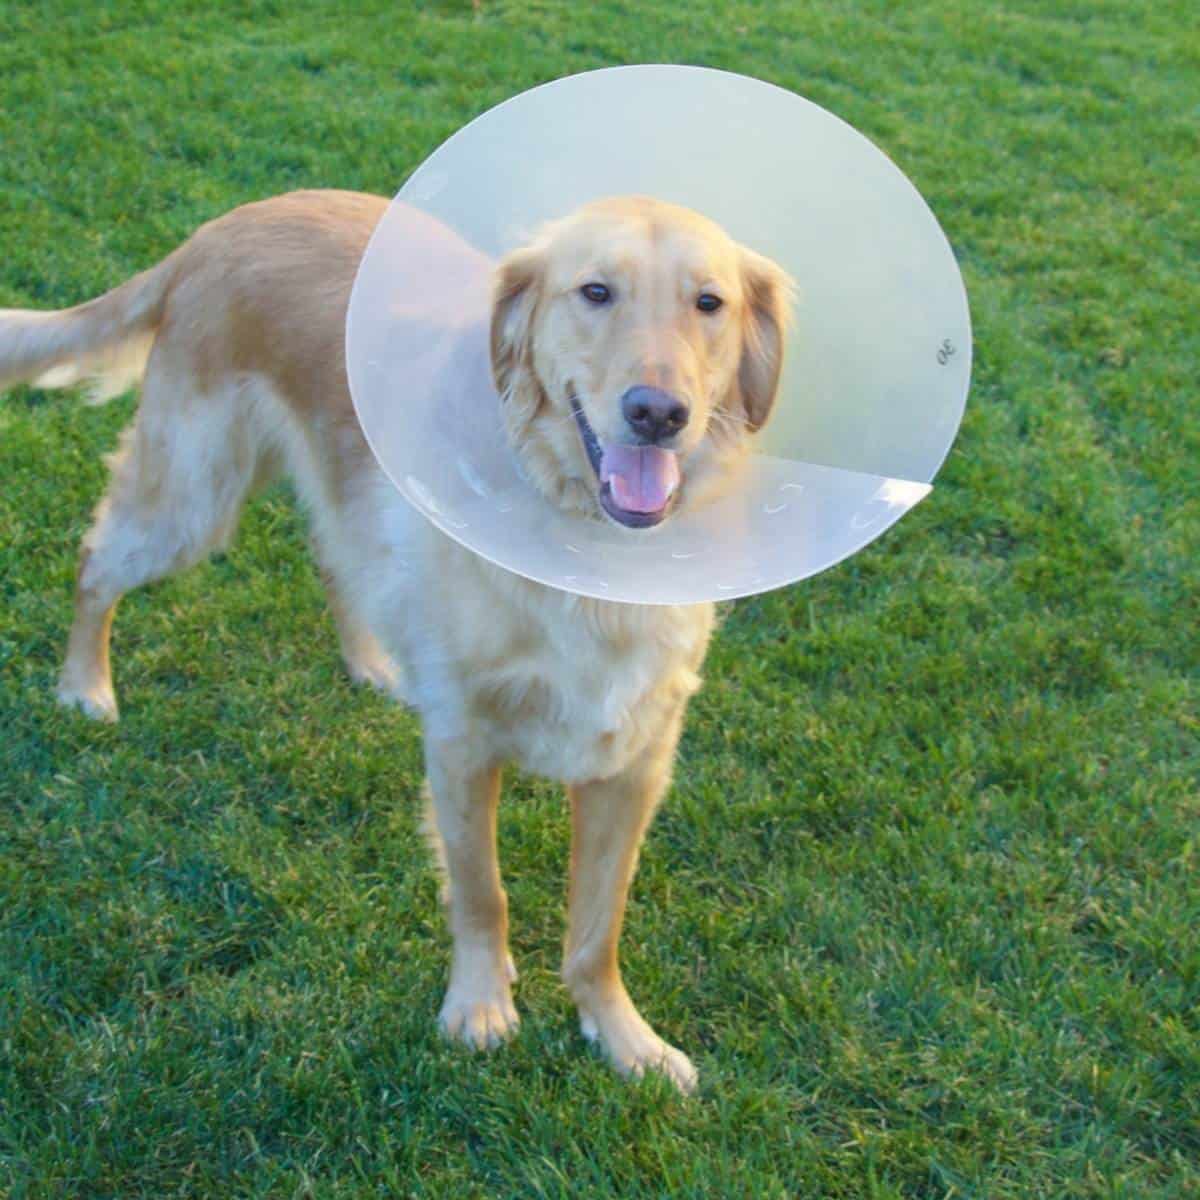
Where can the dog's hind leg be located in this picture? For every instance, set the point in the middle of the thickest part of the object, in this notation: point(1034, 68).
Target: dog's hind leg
point(85, 681)
point(365, 658)
point(179, 479)
point(344, 565)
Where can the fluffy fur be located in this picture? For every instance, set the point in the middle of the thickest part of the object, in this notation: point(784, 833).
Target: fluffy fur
point(238, 339)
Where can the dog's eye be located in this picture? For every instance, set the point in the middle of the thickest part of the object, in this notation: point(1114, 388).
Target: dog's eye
point(595, 293)
point(706, 302)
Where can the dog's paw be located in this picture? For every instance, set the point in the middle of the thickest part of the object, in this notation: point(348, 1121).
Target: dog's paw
point(634, 1048)
point(97, 701)
point(377, 670)
point(482, 1022)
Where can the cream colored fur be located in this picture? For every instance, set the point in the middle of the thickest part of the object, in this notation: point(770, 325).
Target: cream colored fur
point(238, 338)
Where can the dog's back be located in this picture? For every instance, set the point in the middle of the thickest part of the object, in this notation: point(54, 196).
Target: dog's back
point(289, 260)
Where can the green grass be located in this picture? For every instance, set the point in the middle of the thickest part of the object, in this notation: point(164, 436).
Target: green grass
point(923, 903)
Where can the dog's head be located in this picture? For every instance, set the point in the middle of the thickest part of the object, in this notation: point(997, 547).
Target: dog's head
point(635, 346)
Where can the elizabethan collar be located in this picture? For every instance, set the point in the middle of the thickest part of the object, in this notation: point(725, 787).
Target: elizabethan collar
point(876, 368)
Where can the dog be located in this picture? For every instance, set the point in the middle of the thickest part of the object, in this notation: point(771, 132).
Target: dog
point(635, 347)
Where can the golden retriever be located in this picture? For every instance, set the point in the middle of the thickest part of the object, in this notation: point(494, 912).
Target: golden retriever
point(634, 347)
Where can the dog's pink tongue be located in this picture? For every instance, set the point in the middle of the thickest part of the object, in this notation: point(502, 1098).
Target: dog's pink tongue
point(642, 478)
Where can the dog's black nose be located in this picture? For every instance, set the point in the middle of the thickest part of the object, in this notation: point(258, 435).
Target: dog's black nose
point(652, 414)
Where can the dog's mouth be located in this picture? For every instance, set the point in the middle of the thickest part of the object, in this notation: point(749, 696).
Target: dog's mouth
point(637, 483)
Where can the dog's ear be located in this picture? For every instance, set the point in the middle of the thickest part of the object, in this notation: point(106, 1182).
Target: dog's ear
point(769, 292)
point(515, 295)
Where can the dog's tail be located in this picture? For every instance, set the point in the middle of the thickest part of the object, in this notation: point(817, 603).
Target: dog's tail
point(103, 344)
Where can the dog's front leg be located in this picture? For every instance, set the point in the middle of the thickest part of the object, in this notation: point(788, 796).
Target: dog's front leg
point(609, 818)
point(478, 1008)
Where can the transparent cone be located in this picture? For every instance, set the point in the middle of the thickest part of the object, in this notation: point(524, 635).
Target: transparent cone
point(876, 368)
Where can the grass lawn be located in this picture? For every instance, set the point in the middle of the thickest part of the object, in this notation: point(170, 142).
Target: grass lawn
point(923, 904)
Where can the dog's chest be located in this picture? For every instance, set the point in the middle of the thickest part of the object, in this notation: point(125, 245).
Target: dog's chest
point(574, 697)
